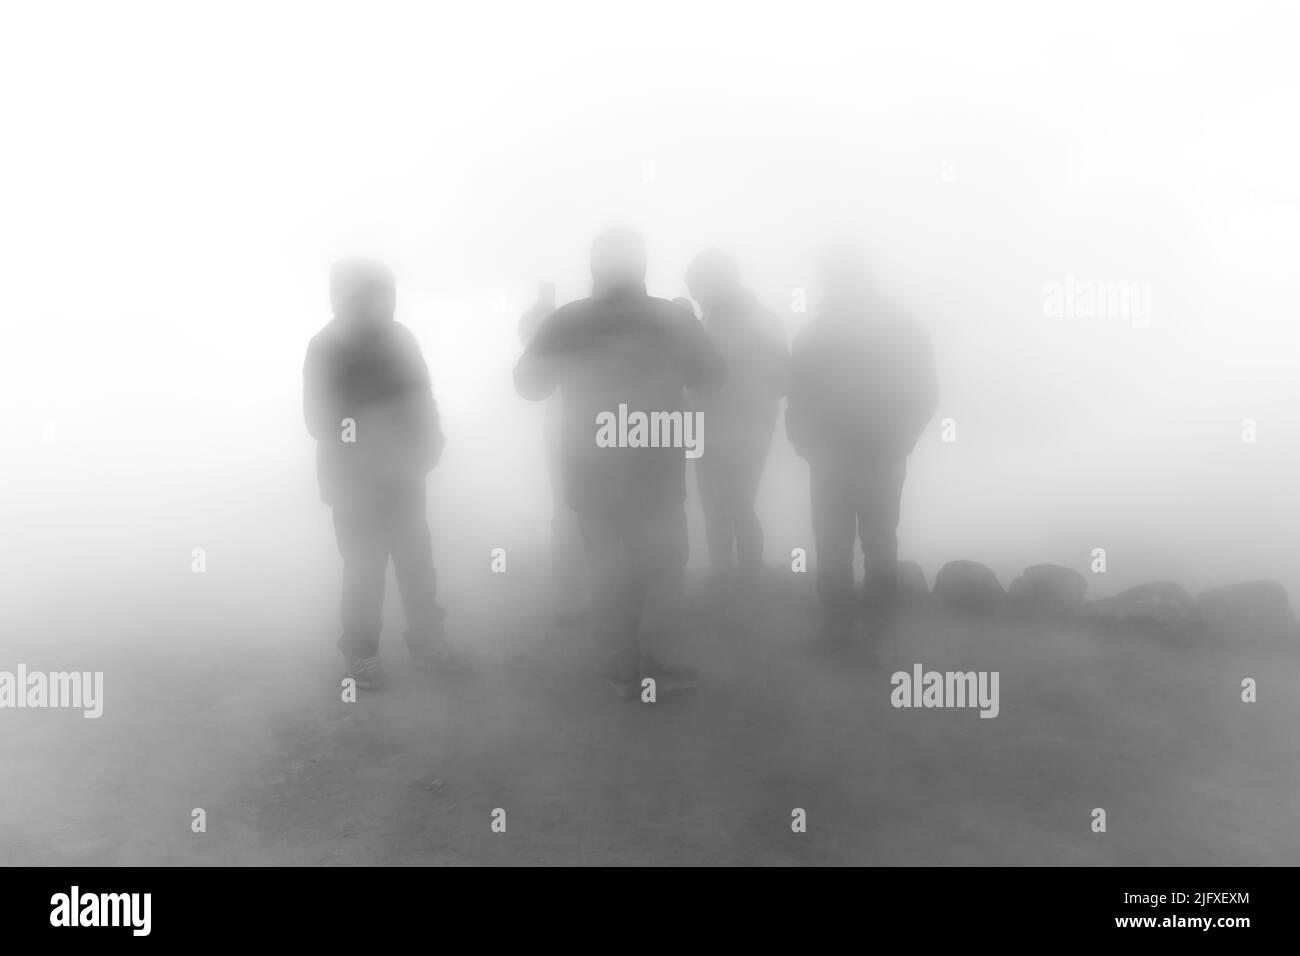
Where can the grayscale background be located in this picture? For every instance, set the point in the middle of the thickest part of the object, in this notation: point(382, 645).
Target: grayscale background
point(175, 180)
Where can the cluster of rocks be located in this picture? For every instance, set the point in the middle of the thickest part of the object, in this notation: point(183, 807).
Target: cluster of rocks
point(1252, 611)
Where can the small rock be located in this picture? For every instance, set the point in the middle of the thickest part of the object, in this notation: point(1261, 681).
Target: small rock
point(968, 584)
point(1160, 607)
point(1249, 611)
point(1050, 588)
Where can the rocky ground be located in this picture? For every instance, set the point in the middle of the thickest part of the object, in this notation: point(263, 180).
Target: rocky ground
point(250, 727)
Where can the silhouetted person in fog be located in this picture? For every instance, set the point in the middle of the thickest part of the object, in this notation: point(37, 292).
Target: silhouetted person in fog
point(369, 404)
point(862, 388)
point(623, 348)
point(740, 414)
point(568, 561)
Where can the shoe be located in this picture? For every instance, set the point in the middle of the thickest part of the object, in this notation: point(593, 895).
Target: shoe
point(369, 673)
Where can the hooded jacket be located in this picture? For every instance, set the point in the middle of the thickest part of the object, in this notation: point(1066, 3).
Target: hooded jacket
point(365, 367)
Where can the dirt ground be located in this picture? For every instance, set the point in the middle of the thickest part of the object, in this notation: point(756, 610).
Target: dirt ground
point(251, 728)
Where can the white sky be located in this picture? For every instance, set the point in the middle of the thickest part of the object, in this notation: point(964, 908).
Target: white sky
point(176, 177)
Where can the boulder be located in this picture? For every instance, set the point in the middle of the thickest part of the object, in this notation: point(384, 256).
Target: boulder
point(1049, 588)
point(1161, 607)
point(912, 586)
point(1249, 611)
point(968, 584)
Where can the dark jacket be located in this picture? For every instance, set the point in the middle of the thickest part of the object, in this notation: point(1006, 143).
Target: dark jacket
point(862, 384)
point(374, 374)
point(619, 348)
point(751, 343)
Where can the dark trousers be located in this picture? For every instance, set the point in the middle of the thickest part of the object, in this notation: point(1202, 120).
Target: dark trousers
point(728, 477)
point(854, 501)
point(638, 566)
point(373, 525)
point(568, 559)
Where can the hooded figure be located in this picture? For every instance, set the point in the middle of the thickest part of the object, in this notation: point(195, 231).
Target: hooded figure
point(621, 348)
point(740, 414)
point(367, 367)
point(568, 562)
point(862, 388)
point(369, 404)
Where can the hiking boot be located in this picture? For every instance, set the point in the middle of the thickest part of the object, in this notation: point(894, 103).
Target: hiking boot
point(369, 673)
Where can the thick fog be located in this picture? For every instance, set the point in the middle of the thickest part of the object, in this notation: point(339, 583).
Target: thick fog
point(174, 188)
point(175, 191)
